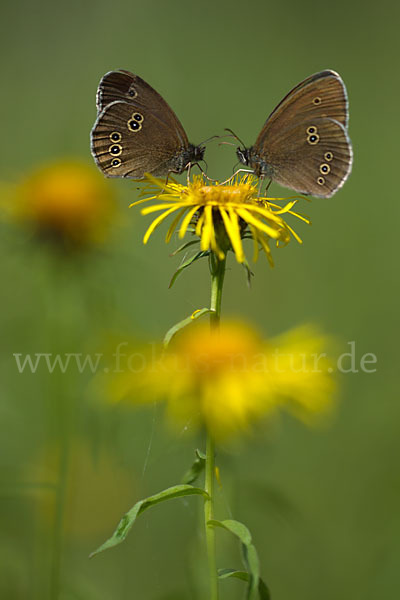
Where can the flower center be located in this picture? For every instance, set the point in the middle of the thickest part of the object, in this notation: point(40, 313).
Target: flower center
point(225, 193)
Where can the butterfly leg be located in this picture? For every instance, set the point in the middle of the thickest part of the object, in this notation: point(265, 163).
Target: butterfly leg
point(189, 166)
point(261, 181)
point(205, 174)
point(262, 177)
point(235, 173)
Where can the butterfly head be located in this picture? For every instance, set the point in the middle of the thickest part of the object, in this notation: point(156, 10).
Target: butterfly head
point(192, 156)
point(242, 152)
point(243, 155)
point(197, 153)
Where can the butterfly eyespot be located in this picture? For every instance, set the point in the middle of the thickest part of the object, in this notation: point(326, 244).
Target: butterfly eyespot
point(115, 149)
point(328, 156)
point(324, 168)
point(115, 136)
point(134, 125)
point(311, 129)
point(137, 117)
point(132, 92)
point(115, 162)
point(313, 139)
point(320, 180)
point(317, 100)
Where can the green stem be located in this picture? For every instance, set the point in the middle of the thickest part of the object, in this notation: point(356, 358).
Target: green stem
point(217, 281)
point(208, 516)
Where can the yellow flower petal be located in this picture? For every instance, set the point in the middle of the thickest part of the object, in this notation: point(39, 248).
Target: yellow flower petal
point(256, 242)
point(157, 207)
point(233, 231)
point(248, 217)
point(207, 228)
point(158, 222)
point(200, 225)
point(186, 221)
point(174, 225)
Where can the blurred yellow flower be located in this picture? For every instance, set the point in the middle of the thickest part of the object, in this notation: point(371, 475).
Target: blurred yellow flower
point(67, 201)
point(221, 215)
point(225, 380)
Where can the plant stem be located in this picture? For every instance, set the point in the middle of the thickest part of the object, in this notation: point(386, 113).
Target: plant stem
point(217, 280)
point(208, 516)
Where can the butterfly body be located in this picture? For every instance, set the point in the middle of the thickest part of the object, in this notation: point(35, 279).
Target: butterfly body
point(259, 164)
point(136, 132)
point(304, 144)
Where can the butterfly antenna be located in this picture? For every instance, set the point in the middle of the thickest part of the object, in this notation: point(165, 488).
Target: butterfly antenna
point(226, 143)
point(213, 137)
point(235, 136)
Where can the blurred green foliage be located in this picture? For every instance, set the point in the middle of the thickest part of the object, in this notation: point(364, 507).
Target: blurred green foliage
point(323, 506)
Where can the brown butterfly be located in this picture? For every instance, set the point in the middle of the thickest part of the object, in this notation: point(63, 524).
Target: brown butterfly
point(304, 144)
point(136, 132)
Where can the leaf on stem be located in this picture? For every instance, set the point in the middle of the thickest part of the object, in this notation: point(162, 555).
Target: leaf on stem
point(175, 328)
point(249, 551)
point(184, 246)
point(125, 524)
point(263, 591)
point(196, 469)
point(186, 264)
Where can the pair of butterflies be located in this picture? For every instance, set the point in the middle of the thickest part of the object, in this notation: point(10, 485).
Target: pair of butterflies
point(303, 144)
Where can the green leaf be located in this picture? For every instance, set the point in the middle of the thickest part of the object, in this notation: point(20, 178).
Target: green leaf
point(196, 469)
point(263, 591)
point(178, 326)
point(249, 272)
point(236, 527)
point(250, 556)
point(125, 524)
point(252, 564)
point(225, 573)
point(184, 246)
point(186, 264)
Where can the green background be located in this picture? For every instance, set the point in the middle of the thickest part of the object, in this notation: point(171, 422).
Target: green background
point(323, 504)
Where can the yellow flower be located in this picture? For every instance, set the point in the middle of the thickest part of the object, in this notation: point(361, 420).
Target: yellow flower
point(67, 201)
point(227, 379)
point(221, 215)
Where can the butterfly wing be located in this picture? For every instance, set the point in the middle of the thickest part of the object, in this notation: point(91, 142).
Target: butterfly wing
point(124, 85)
point(122, 146)
point(159, 143)
point(115, 85)
point(322, 94)
point(320, 101)
point(316, 163)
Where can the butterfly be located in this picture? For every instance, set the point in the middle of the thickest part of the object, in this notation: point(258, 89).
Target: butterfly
point(136, 132)
point(304, 144)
